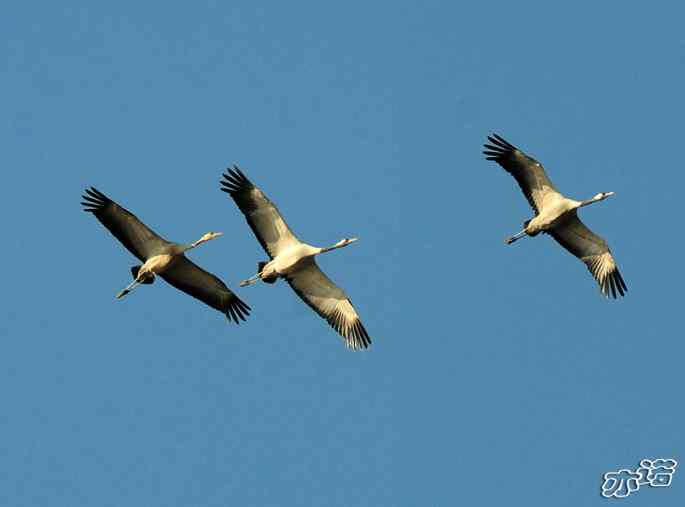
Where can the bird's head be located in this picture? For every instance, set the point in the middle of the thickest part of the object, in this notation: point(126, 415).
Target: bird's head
point(345, 242)
point(602, 195)
point(206, 237)
point(339, 244)
point(211, 235)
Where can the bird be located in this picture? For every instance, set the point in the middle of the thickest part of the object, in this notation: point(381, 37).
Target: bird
point(557, 215)
point(162, 258)
point(293, 260)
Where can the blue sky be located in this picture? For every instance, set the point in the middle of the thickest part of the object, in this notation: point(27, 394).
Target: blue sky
point(497, 374)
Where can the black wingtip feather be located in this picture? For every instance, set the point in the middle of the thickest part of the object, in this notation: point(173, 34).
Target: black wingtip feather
point(237, 310)
point(354, 334)
point(498, 148)
point(500, 140)
point(614, 285)
point(230, 314)
point(234, 181)
point(620, 279)
point(357, 337)
point(94, 200)
point(620, 283)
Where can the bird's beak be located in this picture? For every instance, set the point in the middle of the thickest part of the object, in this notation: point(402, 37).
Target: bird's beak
point(352, 240)
point(217, 234)
point(609, 194)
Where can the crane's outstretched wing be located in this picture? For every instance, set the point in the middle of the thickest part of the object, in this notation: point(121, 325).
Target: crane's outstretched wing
point(528, 172)
point(590, 248)
point(138, 239)
point(330, 302)
point(262, 216)
point(187, 276)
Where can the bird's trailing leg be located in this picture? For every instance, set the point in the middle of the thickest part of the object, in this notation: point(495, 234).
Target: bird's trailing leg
point(266, 275)
point(129, 288)
point(516, 236)
point(135, 283)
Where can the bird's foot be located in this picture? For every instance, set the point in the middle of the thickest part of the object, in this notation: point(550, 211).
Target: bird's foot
point(516, 236)
point(250, 281)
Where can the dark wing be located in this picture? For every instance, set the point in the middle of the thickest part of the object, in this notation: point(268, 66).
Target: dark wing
point(590, 248)
point(528, 172)
point(124, 225)
point(330, 302)
point(187, 276)
point(263, 217)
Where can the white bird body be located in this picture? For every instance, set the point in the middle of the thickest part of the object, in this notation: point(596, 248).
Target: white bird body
point(557, 215)
point(554, 208)
point(289, 260)
point(293, 260)
point(155, 265)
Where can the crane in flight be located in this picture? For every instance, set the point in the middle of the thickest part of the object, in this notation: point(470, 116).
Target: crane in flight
point(293, 260)
point(557, 215)
point(162, 258)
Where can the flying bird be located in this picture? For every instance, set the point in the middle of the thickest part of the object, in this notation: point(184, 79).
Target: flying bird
point(293, 260)
point(163, 258)
point(557, 215)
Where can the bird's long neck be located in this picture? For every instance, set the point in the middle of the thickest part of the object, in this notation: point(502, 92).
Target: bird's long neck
point(329, 248)
point(589, 201)
point(339, 244)
point(189, 246)
point(179, 248)
point(197, 243)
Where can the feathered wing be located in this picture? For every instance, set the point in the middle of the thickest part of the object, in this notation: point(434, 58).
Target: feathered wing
point(590, 248)
point(261, 214)
point(137, 237)
point(528, 172)
point(190, 278)
point(330, 302)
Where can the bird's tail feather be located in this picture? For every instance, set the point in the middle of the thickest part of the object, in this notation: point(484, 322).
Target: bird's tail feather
point(271, 279)
point(135, 283)
point(134, 272)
